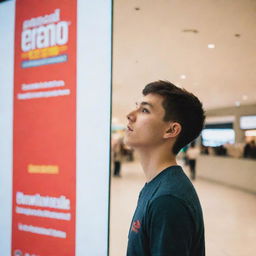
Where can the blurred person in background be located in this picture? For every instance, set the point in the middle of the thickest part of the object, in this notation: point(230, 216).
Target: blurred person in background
point(117, 142)
point(192, 154)
point(250, 150)
point(168, 219)
point(128, 152)
point(184, 155)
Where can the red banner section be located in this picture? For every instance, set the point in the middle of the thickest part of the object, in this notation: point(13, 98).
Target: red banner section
point(44, 139)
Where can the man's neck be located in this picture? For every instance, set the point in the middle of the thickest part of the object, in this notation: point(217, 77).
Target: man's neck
point(154, 161)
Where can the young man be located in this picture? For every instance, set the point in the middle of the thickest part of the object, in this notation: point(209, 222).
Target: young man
point(168, 220)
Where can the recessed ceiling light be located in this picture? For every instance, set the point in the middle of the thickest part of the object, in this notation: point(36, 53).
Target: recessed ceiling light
point(238, 103)
point(245, 97)
point(211, 46)
point(183, 77)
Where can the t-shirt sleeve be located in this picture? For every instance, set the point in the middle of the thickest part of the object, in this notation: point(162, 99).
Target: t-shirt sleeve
point(169, 227)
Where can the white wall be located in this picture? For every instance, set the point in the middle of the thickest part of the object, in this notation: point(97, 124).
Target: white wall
point(6, 115)
point(93, 126)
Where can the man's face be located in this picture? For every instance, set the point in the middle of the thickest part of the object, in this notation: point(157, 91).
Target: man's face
point(146, 127)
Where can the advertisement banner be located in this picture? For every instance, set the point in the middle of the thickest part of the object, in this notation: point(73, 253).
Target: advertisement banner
point(44, 128)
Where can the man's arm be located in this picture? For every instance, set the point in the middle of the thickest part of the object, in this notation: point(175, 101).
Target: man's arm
point(169, 227)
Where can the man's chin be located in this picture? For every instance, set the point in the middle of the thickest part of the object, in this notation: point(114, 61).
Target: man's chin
point(128, 141)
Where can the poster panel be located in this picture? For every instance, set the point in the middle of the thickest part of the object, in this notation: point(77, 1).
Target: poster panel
point(55, 92)
point(44, 128)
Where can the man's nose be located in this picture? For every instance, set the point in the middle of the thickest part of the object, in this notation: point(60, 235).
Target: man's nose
point(131, 116)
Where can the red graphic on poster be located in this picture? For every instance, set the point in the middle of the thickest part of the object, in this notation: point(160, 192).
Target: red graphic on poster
point(44, 133)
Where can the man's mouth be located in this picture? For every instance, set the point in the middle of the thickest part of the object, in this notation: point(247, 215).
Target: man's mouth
point(129, 128)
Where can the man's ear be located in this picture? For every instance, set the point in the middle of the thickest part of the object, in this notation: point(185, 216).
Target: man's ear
point(173, 130)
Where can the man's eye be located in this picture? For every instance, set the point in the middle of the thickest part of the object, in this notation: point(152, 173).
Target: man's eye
point(144, 110)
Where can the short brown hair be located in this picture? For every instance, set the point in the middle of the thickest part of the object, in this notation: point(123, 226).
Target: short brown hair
point(180, 106)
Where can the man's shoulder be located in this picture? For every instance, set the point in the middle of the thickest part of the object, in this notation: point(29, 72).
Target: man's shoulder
point(175, 187)
point(168, 204)
point(175, 183)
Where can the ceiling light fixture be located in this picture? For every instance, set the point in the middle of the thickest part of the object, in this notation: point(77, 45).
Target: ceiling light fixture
point(183, 77)
point(211, 46)
point(245, 97)
point(190, 31)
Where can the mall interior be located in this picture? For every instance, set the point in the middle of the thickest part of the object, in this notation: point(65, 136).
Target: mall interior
point(206, 47)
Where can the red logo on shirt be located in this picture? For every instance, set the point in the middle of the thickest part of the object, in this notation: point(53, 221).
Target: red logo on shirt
point(136, 226)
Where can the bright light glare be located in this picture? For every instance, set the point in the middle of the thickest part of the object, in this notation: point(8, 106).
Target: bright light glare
point(211, 46)
point(114, 120)
point(217, 137)
point(248, 122)
point(250, 133)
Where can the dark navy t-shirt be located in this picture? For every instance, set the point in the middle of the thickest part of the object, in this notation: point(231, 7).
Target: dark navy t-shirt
point(168, 220)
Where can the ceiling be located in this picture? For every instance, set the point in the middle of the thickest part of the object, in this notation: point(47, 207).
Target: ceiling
point(150, 44)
